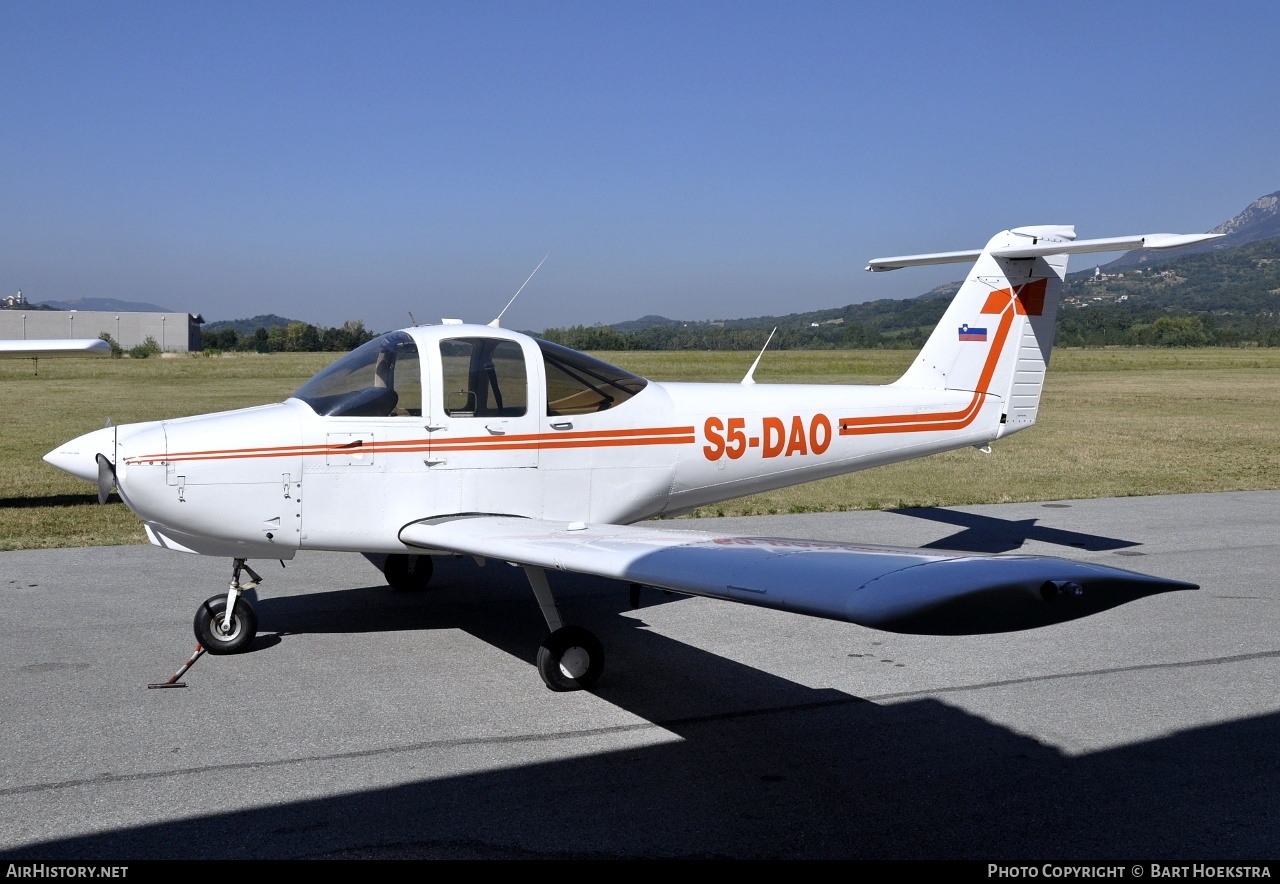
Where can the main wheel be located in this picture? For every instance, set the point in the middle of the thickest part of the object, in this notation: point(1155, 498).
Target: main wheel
point(408, 573)
point(570, 659)
point(210, 633)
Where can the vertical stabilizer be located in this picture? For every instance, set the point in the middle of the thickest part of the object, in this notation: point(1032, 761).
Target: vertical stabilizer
point(996, 335)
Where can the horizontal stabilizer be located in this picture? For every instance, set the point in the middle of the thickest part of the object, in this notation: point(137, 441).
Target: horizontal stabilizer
point(1037, 247)
point(878, 265)
point(928, 592)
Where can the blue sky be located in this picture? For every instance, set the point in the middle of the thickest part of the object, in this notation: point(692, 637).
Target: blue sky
point(333, 161)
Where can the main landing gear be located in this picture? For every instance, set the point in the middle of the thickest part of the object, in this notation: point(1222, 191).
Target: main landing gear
point(408, 573)
point(570, 658)
point(227, 624)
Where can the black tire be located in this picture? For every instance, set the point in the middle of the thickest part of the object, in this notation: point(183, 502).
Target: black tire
point(208, 626)
point(571, 659)
point(408, 573)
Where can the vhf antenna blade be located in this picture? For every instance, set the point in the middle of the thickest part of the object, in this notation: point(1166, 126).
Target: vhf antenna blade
point(751, 372)
point(498, 318)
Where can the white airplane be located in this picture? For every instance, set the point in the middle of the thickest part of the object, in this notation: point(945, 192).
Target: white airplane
point(43, 349)
point(478, 441)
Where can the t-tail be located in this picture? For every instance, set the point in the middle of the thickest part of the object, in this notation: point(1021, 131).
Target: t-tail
point(995, 338)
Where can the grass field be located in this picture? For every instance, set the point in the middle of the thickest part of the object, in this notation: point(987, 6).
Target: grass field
point(1112, 423)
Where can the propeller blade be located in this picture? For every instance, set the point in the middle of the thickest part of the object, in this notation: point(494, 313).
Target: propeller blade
point(106, 477)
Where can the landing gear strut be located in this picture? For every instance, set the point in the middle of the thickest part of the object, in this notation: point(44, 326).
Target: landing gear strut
point(227, 624)
point(570, 658)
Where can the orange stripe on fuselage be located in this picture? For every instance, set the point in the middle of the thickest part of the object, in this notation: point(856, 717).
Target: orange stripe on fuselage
point(519, 442)
point(947, 420)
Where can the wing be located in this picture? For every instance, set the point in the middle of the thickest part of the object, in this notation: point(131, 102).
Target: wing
point(929, 592)
point(44, 349)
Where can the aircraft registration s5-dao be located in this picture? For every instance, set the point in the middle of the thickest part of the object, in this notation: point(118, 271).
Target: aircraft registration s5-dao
point(479, 441)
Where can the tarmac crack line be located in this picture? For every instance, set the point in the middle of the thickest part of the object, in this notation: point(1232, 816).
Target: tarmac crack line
point(1142, 667)
point(664, 724)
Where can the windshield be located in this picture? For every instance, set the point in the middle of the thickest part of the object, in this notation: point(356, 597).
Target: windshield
point(379, 379)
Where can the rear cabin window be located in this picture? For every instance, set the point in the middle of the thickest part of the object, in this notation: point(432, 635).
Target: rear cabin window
point(581, 384)
point(483, 377)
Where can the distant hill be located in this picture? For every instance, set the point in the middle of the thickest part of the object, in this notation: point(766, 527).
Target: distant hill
point(1225, 295)
point(884, 323)
point(1241, 283)
point(1260, 220)
point(249, 326)
point(644, 322)
point(107, 305)
point(946, 290)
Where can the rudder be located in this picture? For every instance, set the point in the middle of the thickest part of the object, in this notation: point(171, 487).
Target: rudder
point(996, 335)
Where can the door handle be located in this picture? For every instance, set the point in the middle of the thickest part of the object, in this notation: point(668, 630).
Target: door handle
point(495, 431)
point(563, 425)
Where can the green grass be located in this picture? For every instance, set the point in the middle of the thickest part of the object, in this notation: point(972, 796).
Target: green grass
point(1112, 423)
point(44, 507)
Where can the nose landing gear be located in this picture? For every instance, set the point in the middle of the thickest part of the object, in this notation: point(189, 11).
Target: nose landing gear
point(227, 624)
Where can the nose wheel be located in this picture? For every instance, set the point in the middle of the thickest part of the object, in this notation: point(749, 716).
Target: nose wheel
point(217, 636)
point(228, 624)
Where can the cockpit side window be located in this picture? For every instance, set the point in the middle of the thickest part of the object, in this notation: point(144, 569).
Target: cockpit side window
point(483, 377)
point(382, 378)
point(581, 384)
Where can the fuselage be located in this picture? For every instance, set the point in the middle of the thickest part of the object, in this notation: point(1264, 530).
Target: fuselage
point(473, 419)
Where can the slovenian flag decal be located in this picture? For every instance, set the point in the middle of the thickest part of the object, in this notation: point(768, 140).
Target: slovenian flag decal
point(972, 334)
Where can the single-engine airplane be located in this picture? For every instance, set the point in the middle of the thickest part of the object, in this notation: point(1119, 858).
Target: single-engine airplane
point(44, 348)
point(479, 441)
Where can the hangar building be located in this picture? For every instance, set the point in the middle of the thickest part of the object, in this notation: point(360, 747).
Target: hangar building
point(174, 332)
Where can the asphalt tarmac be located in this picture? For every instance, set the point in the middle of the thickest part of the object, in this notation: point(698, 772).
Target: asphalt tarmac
point(366, 722)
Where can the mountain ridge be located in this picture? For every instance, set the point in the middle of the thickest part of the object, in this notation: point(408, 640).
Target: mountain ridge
point(106, 305)
point(1259, 221)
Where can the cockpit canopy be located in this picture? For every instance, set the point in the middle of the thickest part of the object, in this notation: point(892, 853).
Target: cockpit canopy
point(377, 379)
point(480, 376)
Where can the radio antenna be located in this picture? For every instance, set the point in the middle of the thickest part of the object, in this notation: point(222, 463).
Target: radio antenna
point(497, 320)
point(751, 372)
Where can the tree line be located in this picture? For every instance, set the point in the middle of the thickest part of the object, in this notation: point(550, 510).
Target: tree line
point(1100, 325)
point(296, 337)
point(1095, 326)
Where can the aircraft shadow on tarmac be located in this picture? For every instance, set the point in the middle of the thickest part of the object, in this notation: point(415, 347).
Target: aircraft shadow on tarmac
point(758, 766)
point(14, 503)
point(991, 535)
